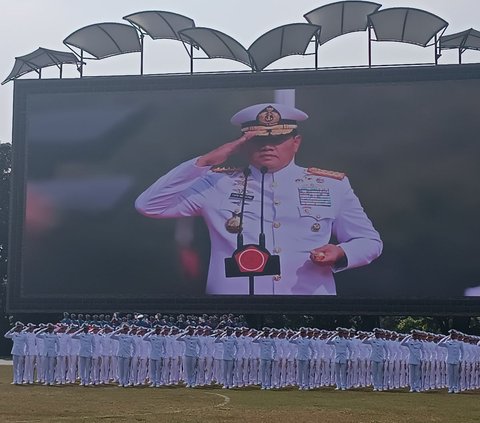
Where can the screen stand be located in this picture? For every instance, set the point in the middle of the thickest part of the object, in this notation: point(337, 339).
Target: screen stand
point(251, 285)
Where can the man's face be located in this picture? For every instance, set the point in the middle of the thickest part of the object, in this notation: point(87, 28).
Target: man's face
point(273, 152)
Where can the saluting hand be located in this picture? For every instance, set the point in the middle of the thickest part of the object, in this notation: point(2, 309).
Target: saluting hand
point(327, 255)
point(222, 153)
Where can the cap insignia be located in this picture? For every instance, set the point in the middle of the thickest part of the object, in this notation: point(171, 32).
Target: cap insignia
point(269, 116)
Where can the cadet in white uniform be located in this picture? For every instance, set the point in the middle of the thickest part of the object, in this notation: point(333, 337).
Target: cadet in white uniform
point(378, 356)
point(126, 349)
point(303, 207)
point(19, 348)
point(268, 350)
point(157, 354)
point(31, 354)
point(193, 347)
point(415, 346)
point(303, 355)
point(454, 357)
point(230, 347)
point(343, 350)
point(50, 349)
point(63, 350)
point(86, 341)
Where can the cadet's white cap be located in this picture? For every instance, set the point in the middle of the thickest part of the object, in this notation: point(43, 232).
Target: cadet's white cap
point(268, 118)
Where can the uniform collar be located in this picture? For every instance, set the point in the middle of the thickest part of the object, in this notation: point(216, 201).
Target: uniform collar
point(286, 172)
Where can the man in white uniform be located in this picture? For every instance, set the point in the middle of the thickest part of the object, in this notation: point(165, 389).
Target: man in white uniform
point(454, 357)
point(303, 207)
point(19, 338)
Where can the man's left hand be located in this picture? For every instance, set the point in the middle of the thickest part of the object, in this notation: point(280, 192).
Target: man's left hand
point(327, 255)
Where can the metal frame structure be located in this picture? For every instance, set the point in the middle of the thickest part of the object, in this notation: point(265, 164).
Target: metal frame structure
point(463, 41)
point(170, 26)
point(39, 59)
point(106, 29)
point(225, 46)
point(277, 38)
point(408, 11)
point(160, 24)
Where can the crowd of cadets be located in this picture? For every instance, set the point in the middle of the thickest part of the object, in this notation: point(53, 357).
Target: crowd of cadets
point(155, 352)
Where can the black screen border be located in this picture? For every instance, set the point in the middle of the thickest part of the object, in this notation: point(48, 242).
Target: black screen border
point(18, 303)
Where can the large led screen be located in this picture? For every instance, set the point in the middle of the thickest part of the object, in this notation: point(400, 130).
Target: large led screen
point(87, 149)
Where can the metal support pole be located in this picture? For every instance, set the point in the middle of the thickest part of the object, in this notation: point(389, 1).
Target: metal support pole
point(460, 56)
point(251, 285)
point(369, 46)
point(316, 51)
point(436, 50)
point(191, 59)
point(142, 36)
point(81, 63)
point(40, 73)
point(61, 70)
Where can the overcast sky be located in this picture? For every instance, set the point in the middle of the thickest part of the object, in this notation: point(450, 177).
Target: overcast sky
point(29, 24)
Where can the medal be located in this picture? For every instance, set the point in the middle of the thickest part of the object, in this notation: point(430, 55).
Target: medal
point(233, 224)
point(315, 227)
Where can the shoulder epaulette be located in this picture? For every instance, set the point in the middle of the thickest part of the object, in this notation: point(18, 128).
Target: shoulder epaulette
point(327, 173)
point(227, 170)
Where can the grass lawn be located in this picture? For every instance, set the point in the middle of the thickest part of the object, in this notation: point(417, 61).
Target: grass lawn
point(35, 403)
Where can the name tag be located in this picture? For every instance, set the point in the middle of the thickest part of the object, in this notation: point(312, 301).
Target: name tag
point(238, 196)
point(315, 197)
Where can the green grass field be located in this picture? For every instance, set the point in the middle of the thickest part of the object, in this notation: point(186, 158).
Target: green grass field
point(111, 404)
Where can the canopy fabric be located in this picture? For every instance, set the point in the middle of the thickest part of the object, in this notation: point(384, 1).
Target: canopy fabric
point(105, 39)
point(216, 44)
point(38, 59)
point(280, 42)
point(406, 25)
point(341, 18)
point(159, 24)
point(465, 40)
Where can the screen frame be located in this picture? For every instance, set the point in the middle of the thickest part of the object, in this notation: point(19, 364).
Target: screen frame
point(16, 302)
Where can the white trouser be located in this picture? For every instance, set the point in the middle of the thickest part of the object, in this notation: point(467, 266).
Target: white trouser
point(61, 369)
point(84, 367)
point(228, 373)
point(18, 368)
point(29, 368)
point(266, 373)
point(377, 374)
point(453, 373)
point(123, 370)
point(105, 369)
point(415, 371)
point(302, 373)
point(156, 371)
point(189, 364)
point(201, 365)
point(49, 369)
point(341, 375)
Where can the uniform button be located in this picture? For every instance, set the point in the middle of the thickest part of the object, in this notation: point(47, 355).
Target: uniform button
point(276, 202)
point(276, 225)
point(307, 210)
point(273, 184)
point(277, 250)
point(277, 278)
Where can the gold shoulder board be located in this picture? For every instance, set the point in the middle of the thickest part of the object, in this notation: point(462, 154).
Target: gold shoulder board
point(327, 173)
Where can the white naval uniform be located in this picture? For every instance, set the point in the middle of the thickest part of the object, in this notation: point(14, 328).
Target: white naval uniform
point(302, 212)
point(18, 353)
